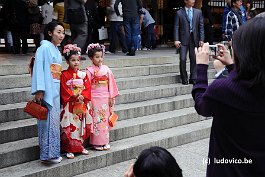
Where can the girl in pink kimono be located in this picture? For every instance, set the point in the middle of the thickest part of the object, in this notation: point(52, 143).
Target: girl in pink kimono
point(103, 93)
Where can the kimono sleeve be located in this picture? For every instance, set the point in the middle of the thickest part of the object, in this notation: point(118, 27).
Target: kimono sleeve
point(38, 74)
point(66, 93)
point(113, 89)
point(87, 91)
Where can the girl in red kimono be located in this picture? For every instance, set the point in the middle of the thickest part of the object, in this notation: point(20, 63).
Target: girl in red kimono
point(76, 121)
point(103, 93)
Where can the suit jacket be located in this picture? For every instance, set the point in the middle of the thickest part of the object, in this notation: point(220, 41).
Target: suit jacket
point(182, 29)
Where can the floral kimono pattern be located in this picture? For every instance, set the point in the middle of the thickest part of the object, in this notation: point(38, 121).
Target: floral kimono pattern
point(75, 127)
point(103, 87)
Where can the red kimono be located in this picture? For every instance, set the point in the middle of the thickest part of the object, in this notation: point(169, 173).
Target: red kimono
point(75, 125)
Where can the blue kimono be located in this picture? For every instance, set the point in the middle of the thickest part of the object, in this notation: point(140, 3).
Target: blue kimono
point(42, 80)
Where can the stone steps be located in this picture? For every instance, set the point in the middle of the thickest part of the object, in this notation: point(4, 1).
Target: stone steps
point(125, 85)
point(122, 150)
point(118, 62)
point(126, 96)
point(124, 129)
point(153, 108)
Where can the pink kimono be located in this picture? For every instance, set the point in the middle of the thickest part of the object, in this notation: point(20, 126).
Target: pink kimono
point(103, 87)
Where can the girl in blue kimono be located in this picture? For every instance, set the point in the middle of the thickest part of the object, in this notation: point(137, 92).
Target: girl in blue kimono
point(46, 87)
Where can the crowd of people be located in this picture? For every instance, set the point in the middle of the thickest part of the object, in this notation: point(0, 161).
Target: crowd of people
point(82, 21)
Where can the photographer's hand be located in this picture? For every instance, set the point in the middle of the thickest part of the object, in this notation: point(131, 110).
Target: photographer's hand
point(129, 172)
point(224, 55)
point(202, 54)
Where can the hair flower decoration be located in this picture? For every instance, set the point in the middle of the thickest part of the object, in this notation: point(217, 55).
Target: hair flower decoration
point(71, 49)
point(95, 46)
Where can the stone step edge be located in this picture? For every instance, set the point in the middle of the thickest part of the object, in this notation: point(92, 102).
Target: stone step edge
point(189, 114)
point(114, 65)
point(121, 150)
point(121, 131)
point(21, 105)
point(5, 147)
point(122, 93)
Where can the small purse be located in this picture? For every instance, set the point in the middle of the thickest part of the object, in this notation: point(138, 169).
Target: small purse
point(36, 110)
point(113, 119)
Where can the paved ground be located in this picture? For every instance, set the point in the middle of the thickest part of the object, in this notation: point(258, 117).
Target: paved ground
point(190, 158)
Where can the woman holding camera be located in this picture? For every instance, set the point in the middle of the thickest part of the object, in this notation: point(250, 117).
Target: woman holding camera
point(236, 103)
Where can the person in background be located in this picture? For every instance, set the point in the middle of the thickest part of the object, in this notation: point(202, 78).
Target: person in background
point(226, 11)
point(207, 21)
point(47, 15)
point(154, 162)
point(58, 15)
point(76, 122)
point(7, 16)
point(116, 29)
point(46, 88)
point(236, 104)
point(19, 25)
point(243, 12)
point(131, 22)
point(188, 34)
point(78, 30)
point(148, 23)
point(35, 22)
point(233, 19)
point(104, 90)
point(251, 11)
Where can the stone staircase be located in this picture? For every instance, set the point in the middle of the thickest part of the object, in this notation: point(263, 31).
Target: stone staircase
point(153, 108)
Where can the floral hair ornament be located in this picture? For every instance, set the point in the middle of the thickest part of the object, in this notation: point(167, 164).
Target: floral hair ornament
point(95, 46)
point(71, 48)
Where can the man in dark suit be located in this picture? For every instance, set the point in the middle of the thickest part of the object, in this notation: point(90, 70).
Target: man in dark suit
point(188, 34)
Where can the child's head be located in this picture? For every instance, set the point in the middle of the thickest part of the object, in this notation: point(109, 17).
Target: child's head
point(96, 52)
point(72, 55)
point(156, 162)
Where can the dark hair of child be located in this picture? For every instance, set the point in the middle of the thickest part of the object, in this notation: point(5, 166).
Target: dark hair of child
point(156, 162)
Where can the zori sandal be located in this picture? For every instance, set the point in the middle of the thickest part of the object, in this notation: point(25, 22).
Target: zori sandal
point(106, 147)
point(98, 148)
point(85, 152)
point(70, 155)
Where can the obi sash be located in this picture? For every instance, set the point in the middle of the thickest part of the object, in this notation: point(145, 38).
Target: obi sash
point(56, 70)
point(100, 80)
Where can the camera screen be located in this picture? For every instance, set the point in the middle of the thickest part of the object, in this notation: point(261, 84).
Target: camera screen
point(213, 50)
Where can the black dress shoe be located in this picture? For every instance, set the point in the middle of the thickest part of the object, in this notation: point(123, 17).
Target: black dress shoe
point(184, 82)
point(192, 82)
point(130, 54)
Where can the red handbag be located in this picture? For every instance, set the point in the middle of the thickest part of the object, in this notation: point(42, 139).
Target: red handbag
point(36, 110)
point(113, 119)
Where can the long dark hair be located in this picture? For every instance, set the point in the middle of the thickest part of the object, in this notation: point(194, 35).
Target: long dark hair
point(249, 52)
point(156, 162)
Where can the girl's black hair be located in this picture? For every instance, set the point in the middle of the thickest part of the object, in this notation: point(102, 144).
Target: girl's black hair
point(50, 28)
point(92, 52)
point(249, 53)
point(156, 162)
point(72, 52)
